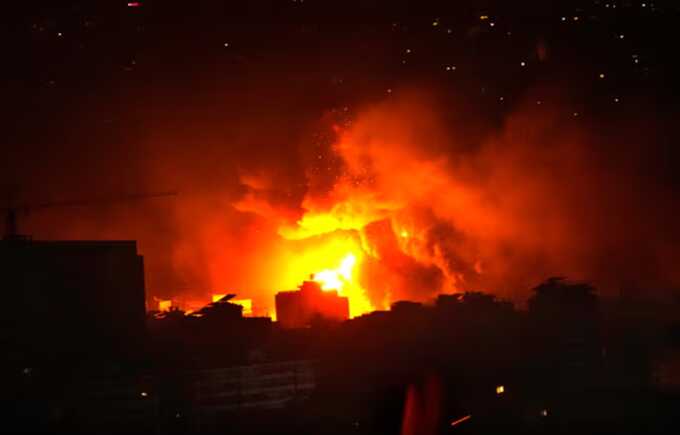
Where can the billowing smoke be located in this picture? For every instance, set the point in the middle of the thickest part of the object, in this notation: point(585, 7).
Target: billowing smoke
point(291, 138)
point(432, 207)
point(543, 195)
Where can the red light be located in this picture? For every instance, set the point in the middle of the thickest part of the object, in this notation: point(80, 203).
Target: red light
point(134, 4)
point(460, 420)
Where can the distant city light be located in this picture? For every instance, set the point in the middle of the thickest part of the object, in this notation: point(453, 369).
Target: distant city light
point(500, 389)
point(544, 412)
point(144, 394)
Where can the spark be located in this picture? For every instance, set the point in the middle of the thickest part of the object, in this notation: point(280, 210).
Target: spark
point(461, 420)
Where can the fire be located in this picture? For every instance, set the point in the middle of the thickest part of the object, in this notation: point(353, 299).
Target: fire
point(343, 279)
point(164, 305)
point(247, 305)
point(216, 297)
point(334, 260)
point(335, 279)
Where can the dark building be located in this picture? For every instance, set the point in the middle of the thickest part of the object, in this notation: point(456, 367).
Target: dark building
point(566, 321)
point(71, 298)
point(297, 308)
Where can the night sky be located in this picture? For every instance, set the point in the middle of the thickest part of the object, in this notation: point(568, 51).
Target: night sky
point(103, 98)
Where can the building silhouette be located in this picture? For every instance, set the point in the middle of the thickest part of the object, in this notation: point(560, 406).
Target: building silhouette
point(297, 308)
point(68, 299)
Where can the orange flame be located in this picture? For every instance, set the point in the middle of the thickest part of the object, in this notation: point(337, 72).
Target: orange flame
point(336, 258)
point(335, 279)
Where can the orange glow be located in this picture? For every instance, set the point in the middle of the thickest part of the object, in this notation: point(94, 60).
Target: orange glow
point(247, 305)
point(334, 262)
point(407, 210)
point(216, 297)
point(335, 279)
point(164, 305)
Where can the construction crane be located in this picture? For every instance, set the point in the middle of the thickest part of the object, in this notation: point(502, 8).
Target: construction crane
point(13, 212)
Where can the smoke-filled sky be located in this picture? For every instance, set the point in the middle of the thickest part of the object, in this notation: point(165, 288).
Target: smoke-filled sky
point(457, 146)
